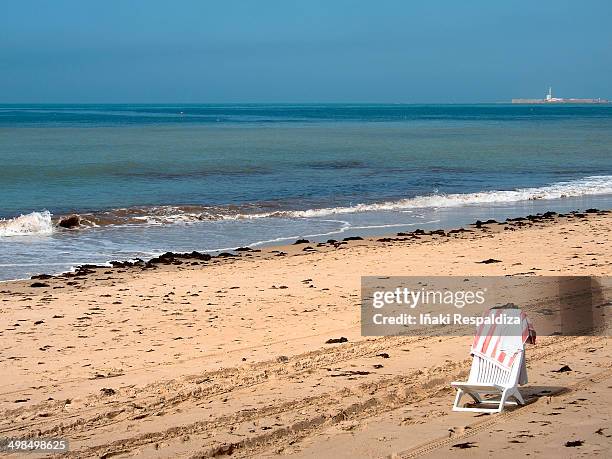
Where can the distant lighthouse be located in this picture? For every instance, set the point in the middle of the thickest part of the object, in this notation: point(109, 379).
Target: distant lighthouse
point(549, 95)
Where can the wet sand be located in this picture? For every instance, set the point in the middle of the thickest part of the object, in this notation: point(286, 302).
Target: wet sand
point(189, 357)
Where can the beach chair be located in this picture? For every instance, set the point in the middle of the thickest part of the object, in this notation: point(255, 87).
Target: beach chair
point(488, 377)
point(498, 366)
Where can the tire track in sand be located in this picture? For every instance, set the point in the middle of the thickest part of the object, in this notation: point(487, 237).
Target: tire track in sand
point(385, 394)
point(191, 387)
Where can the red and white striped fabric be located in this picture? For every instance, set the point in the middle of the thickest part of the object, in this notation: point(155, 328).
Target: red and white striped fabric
point(502, 341)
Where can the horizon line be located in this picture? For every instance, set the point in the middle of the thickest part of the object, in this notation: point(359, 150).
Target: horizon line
point(508, 102)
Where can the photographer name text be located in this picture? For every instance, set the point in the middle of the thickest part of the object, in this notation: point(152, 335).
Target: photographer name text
point(443, 319)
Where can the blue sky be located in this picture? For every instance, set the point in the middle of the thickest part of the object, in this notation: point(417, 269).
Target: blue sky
point(302, 51)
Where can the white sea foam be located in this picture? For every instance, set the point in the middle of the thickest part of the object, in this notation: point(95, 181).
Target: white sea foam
point(594, 185)
point(40, 222)
point(163, 215)
point(35, 223)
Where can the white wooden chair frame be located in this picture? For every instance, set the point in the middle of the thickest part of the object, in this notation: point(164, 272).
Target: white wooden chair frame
point(489, 377)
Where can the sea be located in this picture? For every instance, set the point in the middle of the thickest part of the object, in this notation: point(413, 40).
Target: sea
point(145, 179)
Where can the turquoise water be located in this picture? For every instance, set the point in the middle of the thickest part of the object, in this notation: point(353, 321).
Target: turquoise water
point(146, 179)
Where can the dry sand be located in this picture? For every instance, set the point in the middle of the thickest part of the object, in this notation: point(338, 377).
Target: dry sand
point(229, 356)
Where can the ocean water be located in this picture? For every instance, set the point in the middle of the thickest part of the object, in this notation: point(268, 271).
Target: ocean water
point(149, 178)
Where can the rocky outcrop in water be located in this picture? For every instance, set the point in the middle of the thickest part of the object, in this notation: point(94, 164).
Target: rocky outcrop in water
point(72, 221)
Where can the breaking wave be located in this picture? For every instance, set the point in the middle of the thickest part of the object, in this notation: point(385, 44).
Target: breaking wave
point(41, 222)
point(35, 223)
point(594, 185)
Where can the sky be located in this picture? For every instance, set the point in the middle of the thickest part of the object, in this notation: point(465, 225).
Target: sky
point(419, 51)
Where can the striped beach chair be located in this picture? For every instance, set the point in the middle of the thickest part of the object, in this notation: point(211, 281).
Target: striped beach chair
point(498, 365)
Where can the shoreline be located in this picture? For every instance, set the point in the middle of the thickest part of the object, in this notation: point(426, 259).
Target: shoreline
point(27, 242)
point(261, 353)
point(169, 257)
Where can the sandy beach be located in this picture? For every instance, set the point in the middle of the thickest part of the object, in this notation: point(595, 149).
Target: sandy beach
point(189, 357)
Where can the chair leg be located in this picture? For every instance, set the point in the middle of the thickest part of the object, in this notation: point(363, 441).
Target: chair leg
point(505, 397)
point(458, 398)
point(502, 401)
point(517, 396)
